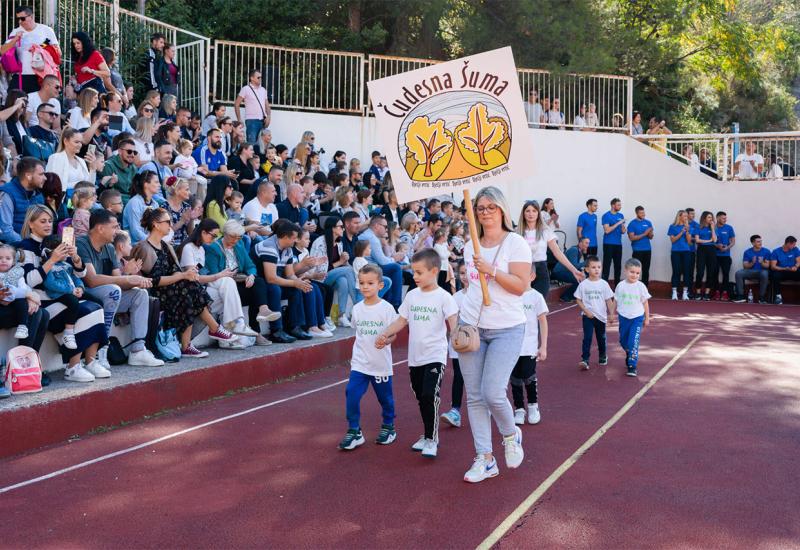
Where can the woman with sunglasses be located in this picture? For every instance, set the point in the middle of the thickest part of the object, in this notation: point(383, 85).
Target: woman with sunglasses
point(115, 105)
point(90, 67)
point(145, 187)
point(504, 260)
point(541, 238)
point(183, 299)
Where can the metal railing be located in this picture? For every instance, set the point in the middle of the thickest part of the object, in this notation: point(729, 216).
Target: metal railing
point(312, 80)
point(716, 154)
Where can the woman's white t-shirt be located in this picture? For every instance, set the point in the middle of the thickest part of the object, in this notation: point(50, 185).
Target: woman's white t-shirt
point(193, 256)
point(539, 246)
point(77, 120)
point(506, 309)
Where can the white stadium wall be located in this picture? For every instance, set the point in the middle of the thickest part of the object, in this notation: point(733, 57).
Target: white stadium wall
point(572, 166)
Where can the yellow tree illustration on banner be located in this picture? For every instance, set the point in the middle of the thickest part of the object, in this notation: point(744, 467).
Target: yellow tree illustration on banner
point(429, 143)
point(482, 135)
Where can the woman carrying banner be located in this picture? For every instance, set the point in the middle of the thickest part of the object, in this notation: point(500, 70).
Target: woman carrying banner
point(505, 262)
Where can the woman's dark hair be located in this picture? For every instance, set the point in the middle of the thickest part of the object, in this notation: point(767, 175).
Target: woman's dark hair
point(13, 96)
point(703, 217)
point(151, 216)
point(163, 130)
point(548, 201)
point(338, 154)
point(330, 223)
point(196, 237)
point(139, 181)
point(52, 188)
point(216, 190)
point(363, 195)
point(359, 247)
point(86, 42)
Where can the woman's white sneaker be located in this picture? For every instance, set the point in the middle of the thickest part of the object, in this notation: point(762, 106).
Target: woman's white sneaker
point(144, 358)
point(266, 315)
point(513, 445)
point(481, 469)
point(240, 328)
point(330, 326)
point(519, 416)
point(344, 321)
point(78, 374)
point(98, 370)
point(317, 332)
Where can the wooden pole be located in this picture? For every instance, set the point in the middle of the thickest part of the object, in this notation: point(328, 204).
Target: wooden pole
point(476, 245)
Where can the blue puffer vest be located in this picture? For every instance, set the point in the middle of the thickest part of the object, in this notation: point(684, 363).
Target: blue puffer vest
point(22, 200)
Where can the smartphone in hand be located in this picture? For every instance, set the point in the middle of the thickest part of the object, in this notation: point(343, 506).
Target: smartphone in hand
point(68, 236)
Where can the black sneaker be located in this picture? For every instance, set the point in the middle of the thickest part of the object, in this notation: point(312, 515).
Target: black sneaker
point(300, 334)
point(352, 439)
point(45, 380)
point(387, 435)
point(631, 371)
point(603, 361)
point(706, 297)
point(739, 299)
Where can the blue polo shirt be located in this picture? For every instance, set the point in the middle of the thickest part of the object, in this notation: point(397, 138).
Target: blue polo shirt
point(724, 235)
point(785, 259)
point(638, 227)
point(680, 245)
point(705, 234)
point(588, 224)
point(693, 228)
point(750, 255)
point(615, 237)
point(213, 160)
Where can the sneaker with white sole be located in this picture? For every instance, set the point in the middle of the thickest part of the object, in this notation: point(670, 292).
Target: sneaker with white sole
point(144, 358)
point(452, 417)
point(330, 326)
point(344, 321)
point(513, 445)
point(481, 469)
point(241, 329)
point(262, 340)
point(102, 358)
point(97, 370)
point(419, 445)
point(352, 439)
point(430, 448)
point(387, 435)
point(685, 295)
point(534, 417)
point(222, 335)
point(68, 340)
point(21, 332)
point(317, 332)
point(519, 416)
point(266, 315)
point(583, 365)
point(192, 351)
point(78, 374)
point(674, 294)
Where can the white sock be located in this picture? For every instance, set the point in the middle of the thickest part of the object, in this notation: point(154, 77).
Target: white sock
point(70, 331)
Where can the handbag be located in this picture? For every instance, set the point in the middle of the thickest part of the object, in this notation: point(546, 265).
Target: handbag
point(465, 338)
point(116, 353)
point(168, 345)
point(267, 118)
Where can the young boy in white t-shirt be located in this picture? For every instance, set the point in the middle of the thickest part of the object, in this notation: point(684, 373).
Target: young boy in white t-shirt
point(453, 416)
point(595, 298)
point(370, 364)
point(633, 307)
point(425, 310)
point(523, 377)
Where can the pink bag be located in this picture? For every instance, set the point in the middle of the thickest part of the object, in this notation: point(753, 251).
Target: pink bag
point(23, 370)
point(10, 63)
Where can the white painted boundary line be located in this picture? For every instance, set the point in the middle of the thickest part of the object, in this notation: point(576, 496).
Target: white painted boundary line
point(526, 504)
point(167, 437)
point(173, 435)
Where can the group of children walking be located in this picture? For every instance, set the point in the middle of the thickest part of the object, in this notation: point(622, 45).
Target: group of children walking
point(428, 311)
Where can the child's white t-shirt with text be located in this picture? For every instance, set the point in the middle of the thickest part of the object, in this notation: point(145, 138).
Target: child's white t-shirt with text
point(369, 323)
point(426, 313)
point(534, 305)
point(630, 299)
point(594, 294)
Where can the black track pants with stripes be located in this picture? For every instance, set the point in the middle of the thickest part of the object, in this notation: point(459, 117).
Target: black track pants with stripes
point(426, 381)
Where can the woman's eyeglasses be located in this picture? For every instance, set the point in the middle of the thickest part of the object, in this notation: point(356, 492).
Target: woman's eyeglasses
point(488, 209)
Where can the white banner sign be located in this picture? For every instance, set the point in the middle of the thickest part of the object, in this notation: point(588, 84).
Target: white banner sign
point(453, 126)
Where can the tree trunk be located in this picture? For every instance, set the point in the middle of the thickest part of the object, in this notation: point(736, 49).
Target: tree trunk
point(354, 16)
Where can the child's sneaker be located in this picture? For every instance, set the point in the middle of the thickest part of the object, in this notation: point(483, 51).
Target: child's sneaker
point(430, 448)
point(78, 374)
point(21, 332)
point(583, 365)
point(674, 294)
point(452, 417)
point(481, 469)
point(631, 371)
point(519, 416)
point(685, 295)
point(68, 340)
point(419, 445)
point(352, 439)
point(387, 435)
point(603, 361)
point(778, 300)
point(98, 370)
point(344, 321)
point(513, 445)
point(534, 417)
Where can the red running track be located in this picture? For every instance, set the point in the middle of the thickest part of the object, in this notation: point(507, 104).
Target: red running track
point(706, 458)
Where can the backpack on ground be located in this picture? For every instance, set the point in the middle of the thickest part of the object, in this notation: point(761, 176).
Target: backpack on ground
point(23, 370)
point(168, 346)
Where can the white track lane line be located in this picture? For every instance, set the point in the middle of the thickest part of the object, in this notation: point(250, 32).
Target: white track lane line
point(173, 435)
point(526, 504)
point(167, 437)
